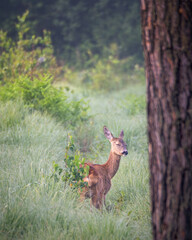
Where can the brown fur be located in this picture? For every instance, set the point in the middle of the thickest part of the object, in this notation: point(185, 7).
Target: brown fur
point(99, 178)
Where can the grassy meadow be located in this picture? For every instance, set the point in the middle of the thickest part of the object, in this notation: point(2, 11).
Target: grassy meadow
point(34, 206)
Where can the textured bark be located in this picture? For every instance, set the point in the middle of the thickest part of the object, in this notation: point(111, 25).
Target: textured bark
point(167, 42)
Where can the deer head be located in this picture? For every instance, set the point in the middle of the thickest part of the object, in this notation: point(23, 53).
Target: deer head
point(118, 146)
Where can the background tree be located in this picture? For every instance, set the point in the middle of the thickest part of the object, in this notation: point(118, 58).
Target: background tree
point(167, 41)
point(78, 27)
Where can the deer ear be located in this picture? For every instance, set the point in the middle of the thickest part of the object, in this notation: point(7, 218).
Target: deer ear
point(107, 133)
point(121, 134)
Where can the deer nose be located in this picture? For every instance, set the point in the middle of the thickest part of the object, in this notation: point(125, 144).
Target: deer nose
point(125, 152)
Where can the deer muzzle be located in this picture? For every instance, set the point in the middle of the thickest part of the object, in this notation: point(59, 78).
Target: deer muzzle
point(125, 153)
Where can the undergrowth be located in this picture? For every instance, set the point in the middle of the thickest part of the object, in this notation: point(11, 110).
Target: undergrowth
point(35, 206)
point(107, 74)
point(36, 119)
point(28, 56)
point(41, 95)
point(27, 71)
point(72, 170)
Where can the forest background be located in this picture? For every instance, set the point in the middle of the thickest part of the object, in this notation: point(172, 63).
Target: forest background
point(80, 29)
point(67, 68)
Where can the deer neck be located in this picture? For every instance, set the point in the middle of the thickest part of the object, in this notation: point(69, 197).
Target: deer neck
point(112, 165)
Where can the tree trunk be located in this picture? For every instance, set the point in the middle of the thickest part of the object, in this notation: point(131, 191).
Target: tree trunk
point(167, 42)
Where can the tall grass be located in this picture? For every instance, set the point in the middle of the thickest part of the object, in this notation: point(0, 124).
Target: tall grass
point(33, 206)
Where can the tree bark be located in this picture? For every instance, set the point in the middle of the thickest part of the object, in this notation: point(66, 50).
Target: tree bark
point(167, 43)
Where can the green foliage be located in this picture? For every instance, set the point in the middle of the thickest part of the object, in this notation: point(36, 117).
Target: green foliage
point(138, 74)
point(107, 74)
point(29, 56)
point(134, 104)
point(34, 206)
point(74, 170)
point(27, 69)
point(40, 94)
point(102, 76)
point(80, 26)
point(70, 75)
point(127, 65)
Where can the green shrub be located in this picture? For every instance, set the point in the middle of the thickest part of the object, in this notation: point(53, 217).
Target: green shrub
point(102, 76)
point(138, 74)
point(108, 73)
point(126, 65)
point(73, 171)
point(29, 56)
point(27, 69)
point(134, 104)
point(41, 95)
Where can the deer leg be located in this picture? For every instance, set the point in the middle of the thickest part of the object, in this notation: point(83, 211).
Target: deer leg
point(94, 197)
point(104, 200)
point(97, 200)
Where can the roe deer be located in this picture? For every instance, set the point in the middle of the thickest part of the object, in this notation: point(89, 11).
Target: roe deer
point(99, 178)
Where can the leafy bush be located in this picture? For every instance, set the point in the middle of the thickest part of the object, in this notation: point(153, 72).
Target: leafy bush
point(99, 77)
point(108, 73)
point(126, 65)
point(27, 69)
point(73, 171)
point(138, 74)
point(29, 56)
point(41, 95)
point(134, 104)
point(70, 75)
point(102, 77)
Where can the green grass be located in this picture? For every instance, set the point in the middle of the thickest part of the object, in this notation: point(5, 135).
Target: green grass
point(33, 206)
